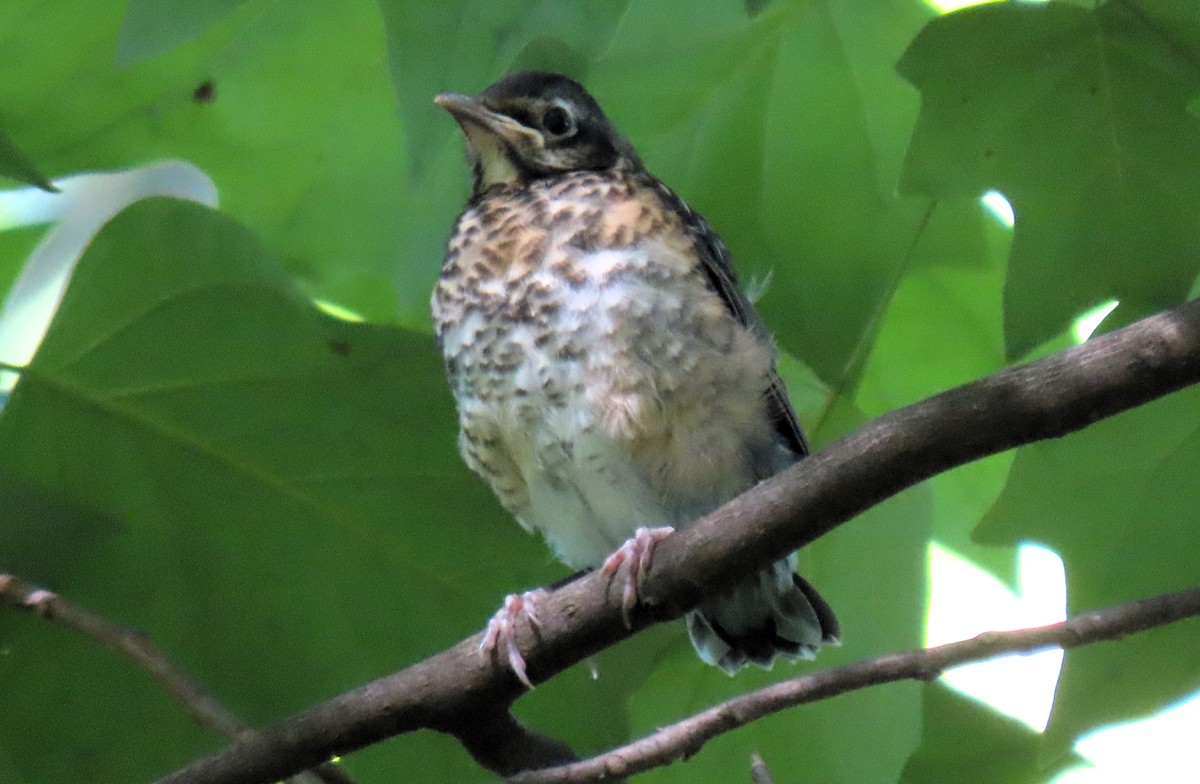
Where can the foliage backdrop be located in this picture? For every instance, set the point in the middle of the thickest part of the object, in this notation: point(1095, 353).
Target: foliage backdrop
point(273, 493)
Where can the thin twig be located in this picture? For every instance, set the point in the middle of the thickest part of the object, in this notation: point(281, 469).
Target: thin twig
point(685, 738)
point(200, 706)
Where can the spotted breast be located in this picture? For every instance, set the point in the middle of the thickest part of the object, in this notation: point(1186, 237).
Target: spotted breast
point(600, 381)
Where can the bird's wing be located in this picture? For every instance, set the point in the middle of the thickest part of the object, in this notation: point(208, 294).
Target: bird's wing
point(717, 263)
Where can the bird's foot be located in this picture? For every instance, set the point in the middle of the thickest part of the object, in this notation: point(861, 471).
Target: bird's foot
point(501, 629)
point(635, 554)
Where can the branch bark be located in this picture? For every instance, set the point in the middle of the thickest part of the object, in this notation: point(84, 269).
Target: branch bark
point(1048, 398)
point(685, 738)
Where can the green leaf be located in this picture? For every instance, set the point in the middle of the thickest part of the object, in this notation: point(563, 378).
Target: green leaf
point(198, 451)
point(943, 328)
point(287, 106)
point(1117, 502)
point(152, 27)
point(787, 131)
point(16, 164)
point(15, 246)
point(1080, 117)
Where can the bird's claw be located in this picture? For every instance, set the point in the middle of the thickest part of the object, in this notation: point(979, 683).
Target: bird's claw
point(501, 629)
point(635, 554)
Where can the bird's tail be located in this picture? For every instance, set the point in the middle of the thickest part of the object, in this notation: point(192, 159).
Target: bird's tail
point(774, 613)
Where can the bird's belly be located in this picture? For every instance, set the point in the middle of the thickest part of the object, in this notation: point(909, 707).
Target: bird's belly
point(623, 409)
point(590, 484)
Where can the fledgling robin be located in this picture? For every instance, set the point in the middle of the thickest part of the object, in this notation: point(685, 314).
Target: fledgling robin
point(612, 379)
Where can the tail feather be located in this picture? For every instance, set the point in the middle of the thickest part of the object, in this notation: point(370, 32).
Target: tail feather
point(775, 613)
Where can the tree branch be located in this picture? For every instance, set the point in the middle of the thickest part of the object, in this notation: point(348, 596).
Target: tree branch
point(1048, 398)
point(502, 744)
point(199, 705)
point(685, 738)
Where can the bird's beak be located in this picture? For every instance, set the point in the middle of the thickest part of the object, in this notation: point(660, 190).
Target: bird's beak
point(473, 117)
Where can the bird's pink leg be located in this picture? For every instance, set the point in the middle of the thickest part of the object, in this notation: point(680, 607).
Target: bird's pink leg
point(635, 554)
point(501, 629)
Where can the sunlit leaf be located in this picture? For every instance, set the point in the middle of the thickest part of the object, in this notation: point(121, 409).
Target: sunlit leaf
point(966, 741)
point(1080, 118)
point(1117, 502)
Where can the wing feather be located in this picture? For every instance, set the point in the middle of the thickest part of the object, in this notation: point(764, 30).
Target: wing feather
point(717, 264)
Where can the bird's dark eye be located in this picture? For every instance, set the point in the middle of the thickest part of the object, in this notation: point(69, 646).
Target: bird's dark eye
point(557, 121)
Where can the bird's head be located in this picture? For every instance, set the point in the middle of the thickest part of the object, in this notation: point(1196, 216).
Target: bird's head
point(535, 124)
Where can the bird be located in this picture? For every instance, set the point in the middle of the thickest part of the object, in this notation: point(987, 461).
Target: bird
point(613, 382)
